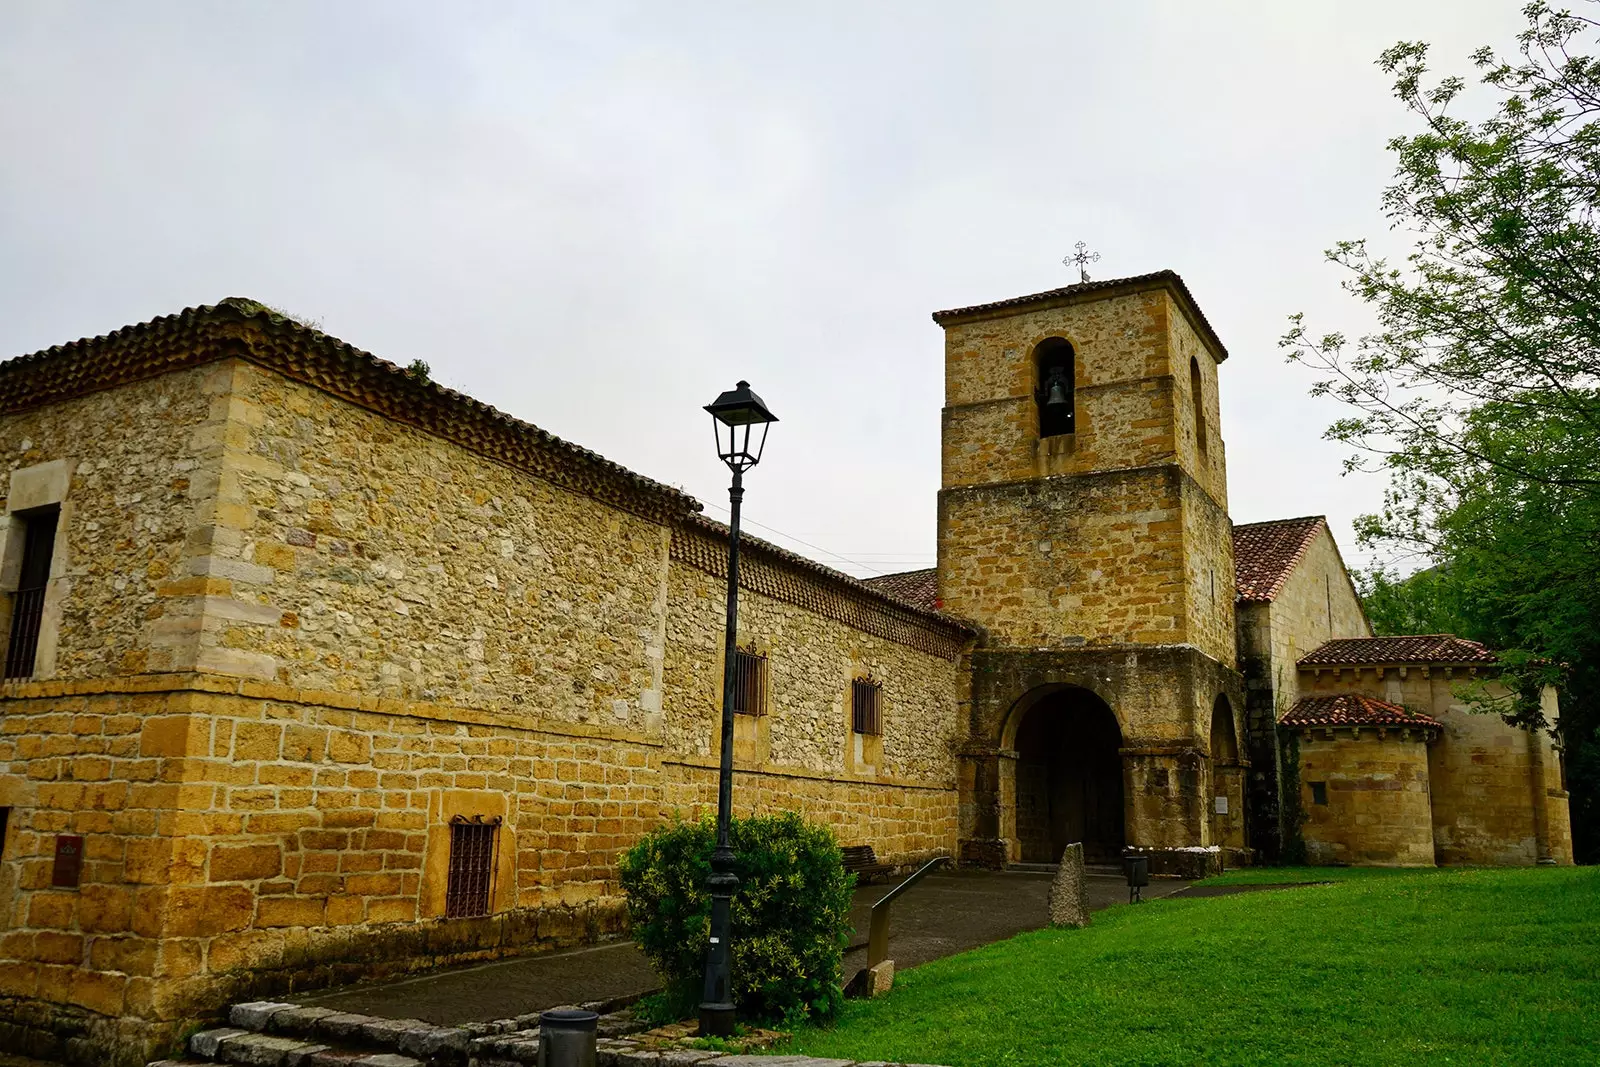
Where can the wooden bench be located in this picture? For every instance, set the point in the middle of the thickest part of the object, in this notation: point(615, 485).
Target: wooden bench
point(861, 861)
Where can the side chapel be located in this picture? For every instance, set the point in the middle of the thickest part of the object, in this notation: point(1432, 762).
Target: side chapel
point(318, 671)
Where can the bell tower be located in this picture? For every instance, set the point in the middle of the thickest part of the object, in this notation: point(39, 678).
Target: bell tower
point(1083, 522)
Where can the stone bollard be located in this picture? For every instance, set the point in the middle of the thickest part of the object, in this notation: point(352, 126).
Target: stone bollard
point(1069, 893)
point(872, 981)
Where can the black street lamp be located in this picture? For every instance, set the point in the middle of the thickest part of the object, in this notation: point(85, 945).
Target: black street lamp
point(740, 416)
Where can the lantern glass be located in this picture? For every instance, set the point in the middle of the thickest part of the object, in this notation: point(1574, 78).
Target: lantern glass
point(740, 421)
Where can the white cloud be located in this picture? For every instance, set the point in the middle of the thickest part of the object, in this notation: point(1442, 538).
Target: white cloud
point(598, 216)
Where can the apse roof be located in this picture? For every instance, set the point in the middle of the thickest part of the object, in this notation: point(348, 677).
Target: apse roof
point(1352, 709)
point(1398, 651)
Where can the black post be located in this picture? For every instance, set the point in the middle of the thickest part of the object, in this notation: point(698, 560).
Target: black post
point(716, 1009)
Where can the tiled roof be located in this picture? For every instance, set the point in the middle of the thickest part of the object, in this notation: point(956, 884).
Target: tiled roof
point(1352, 709)
point(240, 328)
point(914, 587)
point(1265, 553)
point(1418, 648)
point(1160, 279)
point(772, 571)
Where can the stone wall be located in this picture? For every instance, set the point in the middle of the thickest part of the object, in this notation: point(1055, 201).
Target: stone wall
point(1116, 533)
point(1316, 603)
point(1376, 785)
point(811, 663)
point(311, 634)
point(245, 838)
point(380, 559)
point(136, 492)
point(1496, 789)
point(1162, 699)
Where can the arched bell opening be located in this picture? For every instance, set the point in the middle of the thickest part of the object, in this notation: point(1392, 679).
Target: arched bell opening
point(1068, 784)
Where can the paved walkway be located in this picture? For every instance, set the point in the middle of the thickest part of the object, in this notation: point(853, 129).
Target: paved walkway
point(946, 913)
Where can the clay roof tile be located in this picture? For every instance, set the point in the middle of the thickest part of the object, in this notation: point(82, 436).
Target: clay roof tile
point(1352, 709)
point(1265, 554)
point(241, 328)
point(914, 587)
point(1398, 651)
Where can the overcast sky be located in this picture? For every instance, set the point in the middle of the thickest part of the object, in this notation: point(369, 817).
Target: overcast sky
point(596, 216)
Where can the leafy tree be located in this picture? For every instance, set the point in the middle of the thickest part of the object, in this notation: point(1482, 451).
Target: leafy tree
point(1479, 391)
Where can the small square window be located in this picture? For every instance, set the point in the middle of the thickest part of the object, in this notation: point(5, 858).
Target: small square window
point(866, 715)
point(1319, 792)
point(749, 683)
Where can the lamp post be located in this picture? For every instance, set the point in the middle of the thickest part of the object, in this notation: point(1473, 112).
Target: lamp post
point(739, 416)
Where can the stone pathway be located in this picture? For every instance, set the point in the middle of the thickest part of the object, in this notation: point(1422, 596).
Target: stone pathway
point(487, 1015)
point(948, 912)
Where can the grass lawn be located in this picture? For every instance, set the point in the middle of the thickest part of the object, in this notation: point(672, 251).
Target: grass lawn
point(1382, 967)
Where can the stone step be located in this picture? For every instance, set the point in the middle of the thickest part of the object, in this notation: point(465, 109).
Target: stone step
point(250, 1049)
point(271, 1033)
point(443, 1046)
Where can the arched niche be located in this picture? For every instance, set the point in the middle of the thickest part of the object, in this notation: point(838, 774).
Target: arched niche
point(1227, 782)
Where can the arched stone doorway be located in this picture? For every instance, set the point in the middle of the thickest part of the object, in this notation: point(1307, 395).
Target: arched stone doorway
point(1068, 778)
point(1227, 780)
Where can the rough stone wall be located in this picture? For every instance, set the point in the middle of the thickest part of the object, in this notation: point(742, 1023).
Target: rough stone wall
point(244, 837)
point(811, 662)
point(1137, 546)
point(1377, 811)
point(136, 513)
point(391, 630)
point(1067, 561)
point(1316, 604)
point(1163, 700)
point(1208, 467)
point(905, 822)
point(1496, 789)
point(1123, 385)
point(379, 559)
point(1208, 574)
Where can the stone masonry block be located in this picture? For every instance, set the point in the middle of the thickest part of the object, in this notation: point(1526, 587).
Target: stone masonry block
point(206, 1042)
point(257, 1014)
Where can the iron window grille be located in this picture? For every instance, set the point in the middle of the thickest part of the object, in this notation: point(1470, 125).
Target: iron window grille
point(27, 604)
point(749, 683)
point(866, 707)
point(473, 841)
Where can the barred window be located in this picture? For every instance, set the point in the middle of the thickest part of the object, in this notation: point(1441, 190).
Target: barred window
point(27, 606)
point(749, 683)
point(866, 707)
point(472, 855)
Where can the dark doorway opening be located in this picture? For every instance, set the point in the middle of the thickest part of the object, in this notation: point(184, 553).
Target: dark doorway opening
point(1069, 779)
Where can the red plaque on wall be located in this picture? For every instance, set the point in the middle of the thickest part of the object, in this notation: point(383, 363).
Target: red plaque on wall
point(68, 869)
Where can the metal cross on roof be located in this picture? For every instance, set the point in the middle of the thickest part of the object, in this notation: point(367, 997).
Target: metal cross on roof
point(1082, 259)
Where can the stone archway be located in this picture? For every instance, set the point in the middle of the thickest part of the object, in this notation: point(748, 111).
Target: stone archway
point(1068, 781)
point(1227, 781)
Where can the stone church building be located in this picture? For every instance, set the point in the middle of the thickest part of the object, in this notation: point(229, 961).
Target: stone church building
point(318, 671)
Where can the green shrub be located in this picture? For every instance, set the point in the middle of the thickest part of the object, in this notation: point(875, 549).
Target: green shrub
point(791, 913)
